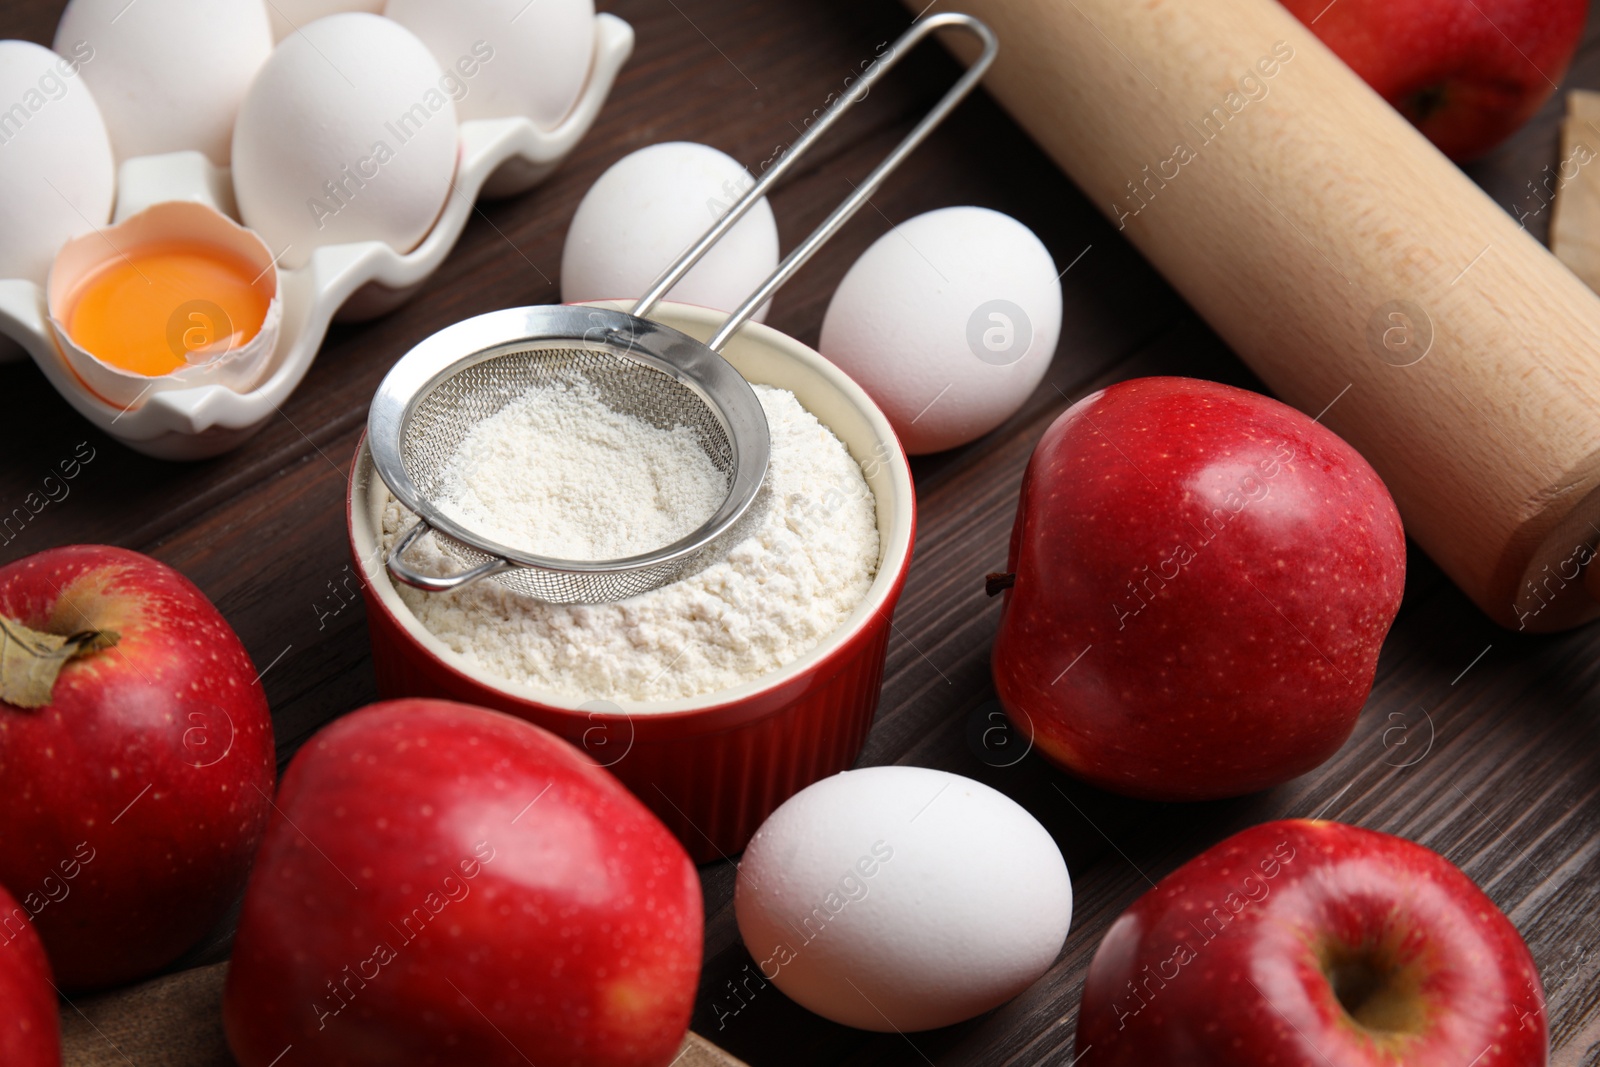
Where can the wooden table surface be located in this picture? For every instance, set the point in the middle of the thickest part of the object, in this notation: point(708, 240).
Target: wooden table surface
point(1477, 742)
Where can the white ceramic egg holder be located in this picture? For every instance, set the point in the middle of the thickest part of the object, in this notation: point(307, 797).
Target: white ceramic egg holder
point(498, 157)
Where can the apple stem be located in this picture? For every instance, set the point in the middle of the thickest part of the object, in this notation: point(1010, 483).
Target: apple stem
point(995, 583)
point(30, 660)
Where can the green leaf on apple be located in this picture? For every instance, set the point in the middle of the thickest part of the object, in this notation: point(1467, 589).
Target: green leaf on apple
point(30, 659)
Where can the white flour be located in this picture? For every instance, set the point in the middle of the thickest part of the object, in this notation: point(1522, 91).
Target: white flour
point(557, 473)
point(805, 562)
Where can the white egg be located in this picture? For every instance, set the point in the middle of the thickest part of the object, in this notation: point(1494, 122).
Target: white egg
point(168, 74)
point(289, 15)
point(348, 134)
point(511, 57)
point(902, 898)
point(647, 209)
point(57, 178)
point(949, 321)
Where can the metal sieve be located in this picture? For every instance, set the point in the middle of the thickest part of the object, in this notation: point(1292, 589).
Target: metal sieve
point(444, 387)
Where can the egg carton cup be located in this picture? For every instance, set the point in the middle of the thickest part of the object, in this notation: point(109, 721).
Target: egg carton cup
point(498, 157)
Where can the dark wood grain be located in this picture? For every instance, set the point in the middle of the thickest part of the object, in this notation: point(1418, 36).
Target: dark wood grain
point(1509, 787)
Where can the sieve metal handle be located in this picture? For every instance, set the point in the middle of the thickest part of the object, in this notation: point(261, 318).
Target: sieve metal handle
point(797, 258)
point(402, 573)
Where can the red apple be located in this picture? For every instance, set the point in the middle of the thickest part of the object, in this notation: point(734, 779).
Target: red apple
point(1202, 579)
point(30, 1030)
point(1304, 944)
point(449, 885)
point(1468, 73)
point(134, 794)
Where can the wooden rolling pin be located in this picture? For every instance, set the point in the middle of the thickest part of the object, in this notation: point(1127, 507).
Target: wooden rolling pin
point(1347, 261)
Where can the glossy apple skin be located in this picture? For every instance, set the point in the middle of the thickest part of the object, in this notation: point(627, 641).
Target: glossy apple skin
point(565, 928)
point(1467, 73)
point(30, 1029)
point(131, 805)
point(1237, 670)
point(1225, 957)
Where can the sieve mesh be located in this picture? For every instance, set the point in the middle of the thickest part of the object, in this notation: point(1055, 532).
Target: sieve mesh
point(453, 406)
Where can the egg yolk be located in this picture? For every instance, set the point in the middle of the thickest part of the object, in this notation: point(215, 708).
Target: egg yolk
point(157, 308)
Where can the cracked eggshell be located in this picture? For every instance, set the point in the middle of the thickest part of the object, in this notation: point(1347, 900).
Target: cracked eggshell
point(57, 178)
point(902, 898)
point(192, 225)
point(348, 134)
point(168, 74)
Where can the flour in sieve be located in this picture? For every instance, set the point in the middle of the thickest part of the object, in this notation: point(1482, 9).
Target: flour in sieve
point(805, 562)
point(558, 473)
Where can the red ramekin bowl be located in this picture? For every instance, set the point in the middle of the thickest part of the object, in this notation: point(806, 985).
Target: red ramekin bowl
point(711, 767)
